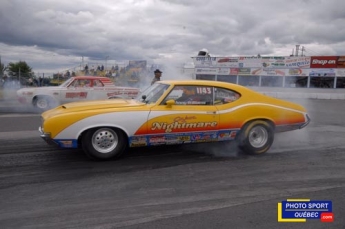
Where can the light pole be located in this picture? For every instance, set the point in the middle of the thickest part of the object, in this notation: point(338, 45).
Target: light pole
point(19, 78)
point(106, 59)
point(82, 63)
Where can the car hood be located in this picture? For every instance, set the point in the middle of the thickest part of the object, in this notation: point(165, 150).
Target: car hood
point(94, 106)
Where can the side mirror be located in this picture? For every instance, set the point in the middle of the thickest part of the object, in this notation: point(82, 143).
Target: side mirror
point(170, 102)
point(143, 97)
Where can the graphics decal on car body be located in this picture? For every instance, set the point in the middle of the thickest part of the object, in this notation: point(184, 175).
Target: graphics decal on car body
point(80, 95)
point(162, 122)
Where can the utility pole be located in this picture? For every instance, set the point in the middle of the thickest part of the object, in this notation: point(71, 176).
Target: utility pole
point(303, 50)
point(297, 49)
point(19, 78)
point(82, 63)
point(106, 60)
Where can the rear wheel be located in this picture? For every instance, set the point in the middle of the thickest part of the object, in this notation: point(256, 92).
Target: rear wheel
point(44, 103)
point(256, 137)
point(104, 143)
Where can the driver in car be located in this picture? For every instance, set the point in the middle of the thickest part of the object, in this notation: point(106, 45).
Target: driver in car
point(189, 96)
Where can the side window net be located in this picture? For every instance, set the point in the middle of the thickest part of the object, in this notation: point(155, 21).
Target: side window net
point(224, 96)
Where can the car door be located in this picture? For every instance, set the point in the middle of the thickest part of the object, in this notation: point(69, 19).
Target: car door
point(99, 90)
point(78, 90)
point(228, 102)
point(193, 121)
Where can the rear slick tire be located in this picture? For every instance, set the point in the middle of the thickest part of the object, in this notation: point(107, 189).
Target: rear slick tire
point(256, 137)
point(42, 103)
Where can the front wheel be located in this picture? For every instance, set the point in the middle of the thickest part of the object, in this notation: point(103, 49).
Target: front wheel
point(104, 143)
point(44, 103)
point(256, 137)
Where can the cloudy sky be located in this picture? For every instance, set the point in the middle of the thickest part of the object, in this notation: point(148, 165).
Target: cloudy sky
point(56, 35)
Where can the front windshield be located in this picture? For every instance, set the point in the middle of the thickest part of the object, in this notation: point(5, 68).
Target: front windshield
point(152, 93)
point(64, 84)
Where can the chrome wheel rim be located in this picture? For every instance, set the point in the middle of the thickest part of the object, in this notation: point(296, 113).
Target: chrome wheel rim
point(42, 103)
point(105, 140)
point(258, 136)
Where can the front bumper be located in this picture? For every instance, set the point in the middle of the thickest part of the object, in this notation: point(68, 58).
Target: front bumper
point(46, 137)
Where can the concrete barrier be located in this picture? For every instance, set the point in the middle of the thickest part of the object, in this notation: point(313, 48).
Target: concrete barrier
point(302, 93)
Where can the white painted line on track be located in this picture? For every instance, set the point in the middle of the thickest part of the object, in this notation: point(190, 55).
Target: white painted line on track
point(17, 135)
point(13, 115)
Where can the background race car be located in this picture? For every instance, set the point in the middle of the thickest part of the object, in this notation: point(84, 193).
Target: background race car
point(74, 89)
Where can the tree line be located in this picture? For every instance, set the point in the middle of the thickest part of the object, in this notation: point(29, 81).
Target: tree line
point(20, 74)
point(15, 70)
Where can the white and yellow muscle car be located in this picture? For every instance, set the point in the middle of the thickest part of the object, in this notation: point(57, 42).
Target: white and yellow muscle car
point(77, 88)
point(173, 112)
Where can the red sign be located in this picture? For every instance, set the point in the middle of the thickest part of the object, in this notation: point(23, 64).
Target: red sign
point(341, 62)
point(233, 71)
point(323, 62)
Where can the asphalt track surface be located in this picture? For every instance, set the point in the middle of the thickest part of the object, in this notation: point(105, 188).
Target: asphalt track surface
point(197, 186)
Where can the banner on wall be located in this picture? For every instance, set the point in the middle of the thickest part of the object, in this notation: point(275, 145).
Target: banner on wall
point(340, 72)
point(205, 61)
point(266, 62)
point(322, 66)
point(272, 72)
point(273, 62)
point(297, 62)
point(329, 72)
point(268, 72)
point(298, 72)
point(264, 71)
point(223, 71)
point(323, 62)
point(244, 71)
point(206, 71)
point(231, 62)
point(256, 71)
point(233, 71)
point(246, 62)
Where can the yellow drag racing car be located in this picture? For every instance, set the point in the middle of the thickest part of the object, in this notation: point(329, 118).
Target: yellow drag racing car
point(173, 112)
